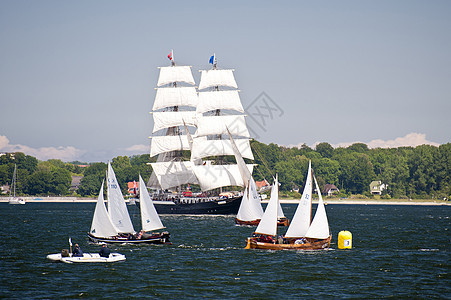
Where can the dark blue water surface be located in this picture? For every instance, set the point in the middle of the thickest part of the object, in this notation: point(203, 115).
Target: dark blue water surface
point(398, 251)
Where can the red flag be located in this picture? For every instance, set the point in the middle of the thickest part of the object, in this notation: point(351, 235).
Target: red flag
point(170, 55)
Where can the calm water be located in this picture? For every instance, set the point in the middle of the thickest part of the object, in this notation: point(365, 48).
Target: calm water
point(398, 251)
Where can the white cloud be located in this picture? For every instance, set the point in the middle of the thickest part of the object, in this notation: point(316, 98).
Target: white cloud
point(138, 148)
point(409, 140)
point(68, 153)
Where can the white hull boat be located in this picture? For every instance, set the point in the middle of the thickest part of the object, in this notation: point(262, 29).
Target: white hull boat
point(87, 258)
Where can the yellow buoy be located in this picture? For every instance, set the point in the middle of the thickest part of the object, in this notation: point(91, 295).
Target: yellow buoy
point(344, 240)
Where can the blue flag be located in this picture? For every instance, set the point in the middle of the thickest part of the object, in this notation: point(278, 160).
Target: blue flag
point(212, 59)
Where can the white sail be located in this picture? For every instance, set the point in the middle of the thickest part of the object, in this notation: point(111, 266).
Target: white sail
point(319, 228)
point(203, 148)
point(268, 223)
point(175, 74)
point(245, 212)
point(174, 173)
point(175, 96)
point(213, 125)
point(117, 208)
point(301, 219)
point(254, 198)
point(163, 120)
point(161, 144)
point(210, 78)
point(229, 100)
point(215, 176)
point(149, 215)
point(101, 222)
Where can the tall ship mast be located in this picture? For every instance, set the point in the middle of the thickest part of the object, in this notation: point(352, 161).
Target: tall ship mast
point(175, 95)
point(219, 113)
point(213, 112)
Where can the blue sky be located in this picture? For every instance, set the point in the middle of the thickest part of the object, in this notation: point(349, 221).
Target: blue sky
point(77, 78)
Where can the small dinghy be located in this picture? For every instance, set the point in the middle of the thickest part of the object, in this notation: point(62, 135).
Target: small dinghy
point(87, 258)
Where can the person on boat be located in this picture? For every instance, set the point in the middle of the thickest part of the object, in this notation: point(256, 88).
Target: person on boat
point(77, 251)
point(104, 251)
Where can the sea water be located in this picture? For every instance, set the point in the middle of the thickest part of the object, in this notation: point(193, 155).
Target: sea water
point(398, 251)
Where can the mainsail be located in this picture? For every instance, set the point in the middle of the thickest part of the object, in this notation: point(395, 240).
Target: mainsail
point(268, 223)
point(117, 208)
point(302, 217)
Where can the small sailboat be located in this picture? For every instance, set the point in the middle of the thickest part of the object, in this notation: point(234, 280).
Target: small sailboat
point(13, 199)
point(114, 225)
point(250, 211)
point(302, 234)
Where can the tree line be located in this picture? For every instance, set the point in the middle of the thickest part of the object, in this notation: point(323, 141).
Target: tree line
point(409, 172)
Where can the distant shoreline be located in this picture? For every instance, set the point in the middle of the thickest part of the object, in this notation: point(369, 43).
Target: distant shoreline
point(284, 201)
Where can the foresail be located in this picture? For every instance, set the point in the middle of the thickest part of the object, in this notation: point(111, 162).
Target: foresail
point(175, 74)
point(174, 173)
point(216, 176)
point(301, 219)
point(245, 212)
point(149, 215)
point(268, 223)
point(101, 223)
point(319, 229)
point(117, 208)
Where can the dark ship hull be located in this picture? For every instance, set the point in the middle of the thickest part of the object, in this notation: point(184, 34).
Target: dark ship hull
point(198, 206)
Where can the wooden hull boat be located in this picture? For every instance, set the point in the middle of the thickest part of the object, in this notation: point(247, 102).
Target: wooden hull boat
point(157, 238)
point(86, 258)
point(308, 244)
point(280, 222)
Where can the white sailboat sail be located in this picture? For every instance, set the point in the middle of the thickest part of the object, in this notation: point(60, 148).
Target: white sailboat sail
point(301, 219)
point(149, 216)
point(216, 176)
point(229, 100)
point(268, 223)
point(174, 173)
point(204, 148)
point(178, 96)
point(161, 144)
point(117, 208)
point(175, 74)
point(167, 119)
point(102, 225)
point(319, 228)
point(212, 78)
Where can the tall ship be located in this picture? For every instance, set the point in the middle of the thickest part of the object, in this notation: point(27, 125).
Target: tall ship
point(191, 141)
